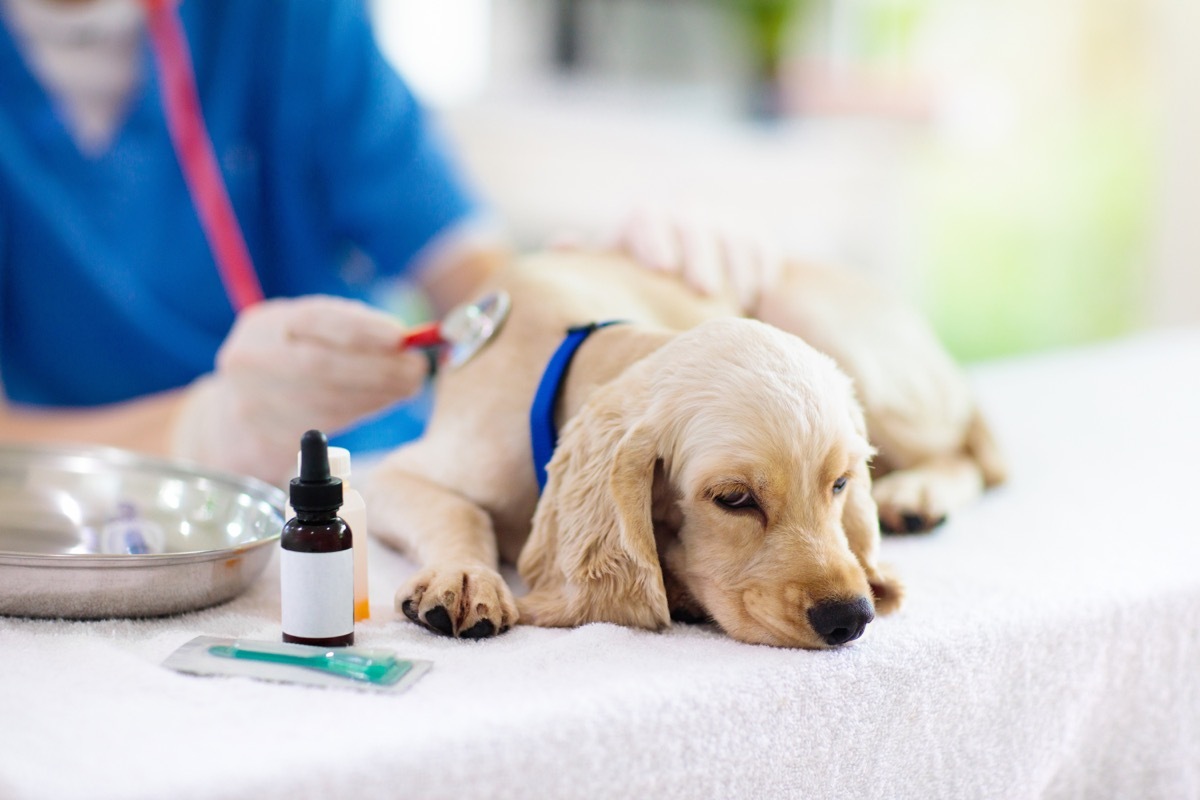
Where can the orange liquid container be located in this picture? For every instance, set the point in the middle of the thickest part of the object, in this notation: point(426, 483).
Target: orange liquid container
point(354, 512)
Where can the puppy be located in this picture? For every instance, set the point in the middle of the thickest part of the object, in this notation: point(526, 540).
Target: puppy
point(709, 467)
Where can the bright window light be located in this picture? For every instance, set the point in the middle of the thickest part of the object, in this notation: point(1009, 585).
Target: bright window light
point(441, 48)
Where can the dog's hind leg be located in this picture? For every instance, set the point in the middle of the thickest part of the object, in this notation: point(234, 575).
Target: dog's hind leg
point(935, 452)
point(458, 591)
point(919, 494)
point(920, 497)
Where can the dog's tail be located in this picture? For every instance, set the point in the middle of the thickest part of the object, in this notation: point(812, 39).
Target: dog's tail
point(982, 447)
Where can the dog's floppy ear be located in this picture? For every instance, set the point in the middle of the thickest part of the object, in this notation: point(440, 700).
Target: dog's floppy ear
point(591, 556)
point(860, 521)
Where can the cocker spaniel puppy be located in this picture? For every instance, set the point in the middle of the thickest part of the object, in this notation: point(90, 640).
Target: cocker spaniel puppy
point(708, 466)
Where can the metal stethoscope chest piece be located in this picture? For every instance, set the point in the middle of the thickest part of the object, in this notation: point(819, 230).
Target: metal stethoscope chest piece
point(464, 331)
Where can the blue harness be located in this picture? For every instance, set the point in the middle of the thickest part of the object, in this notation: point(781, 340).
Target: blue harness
point(542, 430)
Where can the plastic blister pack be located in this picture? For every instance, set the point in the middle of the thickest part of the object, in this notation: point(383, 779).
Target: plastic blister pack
point(340, 667)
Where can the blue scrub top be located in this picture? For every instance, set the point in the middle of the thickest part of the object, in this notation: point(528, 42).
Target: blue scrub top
point(108, 290)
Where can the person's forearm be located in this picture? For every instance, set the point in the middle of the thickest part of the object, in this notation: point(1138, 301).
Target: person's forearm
point(143, 425)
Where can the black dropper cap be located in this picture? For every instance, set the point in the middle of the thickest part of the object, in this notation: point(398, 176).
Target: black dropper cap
point(315, 489)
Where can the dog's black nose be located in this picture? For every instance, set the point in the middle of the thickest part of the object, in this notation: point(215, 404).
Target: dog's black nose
point(838, 621)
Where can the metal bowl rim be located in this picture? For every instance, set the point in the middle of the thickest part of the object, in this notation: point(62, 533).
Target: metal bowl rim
point(114, 456)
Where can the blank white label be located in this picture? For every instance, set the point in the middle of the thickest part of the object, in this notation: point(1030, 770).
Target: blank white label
point(317, 593)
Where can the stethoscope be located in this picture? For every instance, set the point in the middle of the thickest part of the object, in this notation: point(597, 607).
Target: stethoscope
point(457, 337)
point(197, 157)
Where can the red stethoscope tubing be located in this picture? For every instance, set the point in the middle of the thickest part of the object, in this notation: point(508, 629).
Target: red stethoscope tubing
point(197, 157)
point(427, 335)
point(202, 173)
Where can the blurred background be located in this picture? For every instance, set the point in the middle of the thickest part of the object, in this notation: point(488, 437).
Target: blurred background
point(1027, 172)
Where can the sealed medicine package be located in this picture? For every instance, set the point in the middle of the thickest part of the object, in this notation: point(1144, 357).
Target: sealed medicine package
point(370, 670)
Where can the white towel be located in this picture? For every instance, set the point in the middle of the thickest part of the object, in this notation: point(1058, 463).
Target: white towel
point(1049, 648)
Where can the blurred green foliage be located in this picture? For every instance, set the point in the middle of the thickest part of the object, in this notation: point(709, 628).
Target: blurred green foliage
point(1039, 237)
point(769, 25)
point(1041, 244)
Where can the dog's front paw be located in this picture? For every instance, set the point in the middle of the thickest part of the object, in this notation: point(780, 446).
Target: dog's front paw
point(469, 602)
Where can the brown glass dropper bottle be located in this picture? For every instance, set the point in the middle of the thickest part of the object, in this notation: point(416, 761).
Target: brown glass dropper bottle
point(316, 573)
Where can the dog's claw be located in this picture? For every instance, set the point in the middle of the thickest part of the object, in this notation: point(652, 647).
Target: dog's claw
point(410, 610)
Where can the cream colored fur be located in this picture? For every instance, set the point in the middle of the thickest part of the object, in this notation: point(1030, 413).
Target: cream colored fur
point(663, 420)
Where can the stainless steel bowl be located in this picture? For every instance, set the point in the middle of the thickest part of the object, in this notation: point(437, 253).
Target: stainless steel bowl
point(96, 533)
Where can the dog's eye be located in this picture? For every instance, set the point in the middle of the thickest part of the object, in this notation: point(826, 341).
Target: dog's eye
point(736, 500)
point(839, 484)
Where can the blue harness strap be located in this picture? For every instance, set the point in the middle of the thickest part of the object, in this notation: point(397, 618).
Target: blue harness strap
point(542, 430)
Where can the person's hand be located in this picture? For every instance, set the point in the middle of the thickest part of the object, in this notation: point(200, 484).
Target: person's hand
point(287, 366)
point(711, 256)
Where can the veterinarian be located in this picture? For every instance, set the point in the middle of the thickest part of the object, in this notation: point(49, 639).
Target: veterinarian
point(193, 283)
